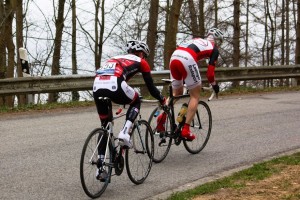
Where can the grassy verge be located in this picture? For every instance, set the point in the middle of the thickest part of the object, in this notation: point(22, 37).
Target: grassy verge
point(240, 179)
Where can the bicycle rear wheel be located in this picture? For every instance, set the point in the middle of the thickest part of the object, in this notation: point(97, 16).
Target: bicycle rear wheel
point(201, 126)
point(139, 157)
point(162, 140)
point(88, 164)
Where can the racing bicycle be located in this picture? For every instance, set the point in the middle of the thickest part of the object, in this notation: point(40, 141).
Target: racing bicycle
point(96, 172)
point(201, 126)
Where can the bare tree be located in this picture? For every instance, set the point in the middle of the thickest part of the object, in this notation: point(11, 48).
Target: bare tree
point(282, 32)
point(75, 94)
point(171, 31)
point(193, 16)
point(287, 34)
point(201, 18)
point(297, 53)
point(59, 25)
point(247, 34)
point(216, 12)
point(19, 40)
point(2, 41)
point(152, 30)
point(236, 35)
point(9, 46)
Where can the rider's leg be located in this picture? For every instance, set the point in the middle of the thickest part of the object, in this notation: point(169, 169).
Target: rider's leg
point(192, 108)
point(161, 119)
point(178, 73)
point(103, 109)
point(131, 115)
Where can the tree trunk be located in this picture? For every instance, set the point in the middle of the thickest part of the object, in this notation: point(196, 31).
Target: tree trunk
point(287, 34)
point(171, 31)
point(152, 31)
point(193, 16)
point(236, 36)
point(297, 54)
point(2, 48)
point(8, 35)
point(216, 13)
point(75, 94)
point(201, 18)
point(96, 45)
point(59, 25)
point(102, 29)
point(22, 99)
point(247, 35)
point(2, 42)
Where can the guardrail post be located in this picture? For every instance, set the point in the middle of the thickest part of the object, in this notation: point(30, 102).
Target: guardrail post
point(25, 70)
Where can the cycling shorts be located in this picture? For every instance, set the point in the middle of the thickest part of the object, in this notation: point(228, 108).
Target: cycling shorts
point(115, 88)
point(183, 67)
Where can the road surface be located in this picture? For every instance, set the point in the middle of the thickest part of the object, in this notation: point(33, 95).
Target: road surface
point(40, 151)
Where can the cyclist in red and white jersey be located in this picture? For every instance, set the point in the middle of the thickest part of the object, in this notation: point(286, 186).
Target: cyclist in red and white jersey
point(111, 81)
point(184, 67)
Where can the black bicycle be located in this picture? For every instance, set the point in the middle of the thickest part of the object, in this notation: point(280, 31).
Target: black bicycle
point(96, 172)
point(201, 126)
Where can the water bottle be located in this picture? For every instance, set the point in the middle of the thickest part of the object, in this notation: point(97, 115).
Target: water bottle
point(156, 113)
point(182, 112)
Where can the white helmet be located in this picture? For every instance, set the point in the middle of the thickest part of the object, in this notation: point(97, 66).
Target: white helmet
point(216, 33)
point(135, 45)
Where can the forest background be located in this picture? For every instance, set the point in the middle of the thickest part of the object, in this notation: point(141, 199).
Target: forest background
point(66, 37)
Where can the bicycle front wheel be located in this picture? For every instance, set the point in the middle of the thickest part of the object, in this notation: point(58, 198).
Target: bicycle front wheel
point(162, 139)
point(139, 157)
point(89, 163)
point(201, 126)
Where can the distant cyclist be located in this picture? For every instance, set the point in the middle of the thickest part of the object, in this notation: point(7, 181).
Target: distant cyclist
point(184, 67)
point(111, 81)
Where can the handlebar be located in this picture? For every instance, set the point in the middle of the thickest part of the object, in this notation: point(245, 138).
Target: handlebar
point(213, 93)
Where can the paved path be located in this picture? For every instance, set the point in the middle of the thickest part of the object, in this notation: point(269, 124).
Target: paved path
point(40, 152)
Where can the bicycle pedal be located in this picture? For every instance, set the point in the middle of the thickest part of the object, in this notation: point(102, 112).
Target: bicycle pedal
point(162, 141)
point(124, 145)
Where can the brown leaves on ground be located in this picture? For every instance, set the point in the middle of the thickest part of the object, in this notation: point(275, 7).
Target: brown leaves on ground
point(285, 185)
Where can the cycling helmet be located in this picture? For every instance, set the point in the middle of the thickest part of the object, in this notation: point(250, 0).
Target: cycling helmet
point(135, 45)
point(216, 33)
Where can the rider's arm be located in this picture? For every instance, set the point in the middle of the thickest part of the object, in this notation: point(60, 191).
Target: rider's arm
point(146, 72)
point(151, 87)
point(211, 65)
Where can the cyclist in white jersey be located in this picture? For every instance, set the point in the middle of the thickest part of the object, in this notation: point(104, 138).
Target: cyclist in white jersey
point(111, 81)
point(184, 67)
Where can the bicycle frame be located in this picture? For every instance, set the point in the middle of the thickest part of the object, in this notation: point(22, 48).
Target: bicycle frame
point(171, 102)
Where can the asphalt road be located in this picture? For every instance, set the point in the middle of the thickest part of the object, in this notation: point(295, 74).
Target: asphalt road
point(40, 151)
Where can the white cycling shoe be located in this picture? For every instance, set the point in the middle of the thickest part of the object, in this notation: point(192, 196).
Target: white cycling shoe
point(124, 139)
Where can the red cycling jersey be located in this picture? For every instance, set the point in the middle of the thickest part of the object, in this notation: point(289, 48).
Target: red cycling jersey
point(124, 65)
point(199, 49)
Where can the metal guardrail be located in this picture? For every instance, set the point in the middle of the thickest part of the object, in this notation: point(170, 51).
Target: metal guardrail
point(45, 84)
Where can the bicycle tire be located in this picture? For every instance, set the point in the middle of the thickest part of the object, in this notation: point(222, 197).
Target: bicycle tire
point(93, 187)
point(201, 126)
point(139, 157)
point(161, 150)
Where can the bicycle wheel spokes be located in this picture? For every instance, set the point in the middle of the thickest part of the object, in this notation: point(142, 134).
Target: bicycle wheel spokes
point(201, 126)
point(88, 165)
point(139, 157)
point(162, 141)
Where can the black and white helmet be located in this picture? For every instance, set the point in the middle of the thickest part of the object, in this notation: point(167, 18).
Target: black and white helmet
point(135, 45)
point(216, 33)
